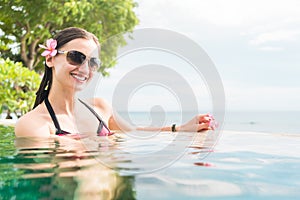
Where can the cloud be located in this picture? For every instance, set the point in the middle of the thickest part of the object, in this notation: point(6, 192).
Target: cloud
point(229, 13)
point(276, 36)
point(262, 98)
point(242, 37)
point(271, 48)
point(259, 22)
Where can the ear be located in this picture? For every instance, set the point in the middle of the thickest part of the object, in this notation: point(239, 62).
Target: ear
point(49, 61)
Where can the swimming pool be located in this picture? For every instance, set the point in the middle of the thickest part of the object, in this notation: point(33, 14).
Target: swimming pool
point(243, 165)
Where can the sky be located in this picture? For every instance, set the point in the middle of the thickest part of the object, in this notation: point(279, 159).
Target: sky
point(254, 46)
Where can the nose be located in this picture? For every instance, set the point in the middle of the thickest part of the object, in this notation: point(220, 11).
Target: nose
point(84, 67)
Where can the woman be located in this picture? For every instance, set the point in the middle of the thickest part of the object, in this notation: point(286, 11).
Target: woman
point(72, 58)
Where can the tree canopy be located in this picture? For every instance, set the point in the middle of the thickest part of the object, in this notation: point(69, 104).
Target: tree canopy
point(18, 85)
point(25, 24)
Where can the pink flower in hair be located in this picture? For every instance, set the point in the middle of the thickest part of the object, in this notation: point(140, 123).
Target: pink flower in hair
point(50, 48)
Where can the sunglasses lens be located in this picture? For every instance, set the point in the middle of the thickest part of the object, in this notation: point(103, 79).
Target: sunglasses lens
point(94, 63)
point(78, 58)
point(75, 57)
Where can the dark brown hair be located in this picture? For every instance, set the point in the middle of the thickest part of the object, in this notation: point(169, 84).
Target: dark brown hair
point(63, 37)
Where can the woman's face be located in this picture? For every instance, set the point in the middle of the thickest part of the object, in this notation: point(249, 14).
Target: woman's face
point(71, 76)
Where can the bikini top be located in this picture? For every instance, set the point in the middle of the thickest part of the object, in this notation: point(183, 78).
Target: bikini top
point(102, 130)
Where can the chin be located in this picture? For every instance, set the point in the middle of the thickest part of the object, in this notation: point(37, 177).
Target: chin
point(79, 88)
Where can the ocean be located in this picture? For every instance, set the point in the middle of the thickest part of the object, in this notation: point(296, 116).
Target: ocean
point(245, 121)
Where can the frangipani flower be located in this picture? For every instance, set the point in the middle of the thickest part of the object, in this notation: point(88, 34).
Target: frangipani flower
point(50, 48)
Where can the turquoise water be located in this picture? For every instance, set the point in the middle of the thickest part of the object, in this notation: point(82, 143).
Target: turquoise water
point(138, 165)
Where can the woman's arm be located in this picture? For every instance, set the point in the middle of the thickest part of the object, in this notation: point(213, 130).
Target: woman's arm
point(116, 122)
point(196, 124)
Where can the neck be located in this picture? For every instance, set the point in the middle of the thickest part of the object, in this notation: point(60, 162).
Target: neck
point(62, 100)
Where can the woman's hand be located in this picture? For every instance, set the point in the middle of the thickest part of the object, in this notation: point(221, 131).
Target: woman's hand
point(199, 123)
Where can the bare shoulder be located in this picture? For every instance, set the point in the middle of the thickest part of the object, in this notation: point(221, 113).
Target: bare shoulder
point(32, 124)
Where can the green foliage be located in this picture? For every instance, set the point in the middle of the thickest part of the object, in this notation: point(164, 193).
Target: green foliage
point(7, 141)
point(17, 86)
point(29, 23)
point(8, 173)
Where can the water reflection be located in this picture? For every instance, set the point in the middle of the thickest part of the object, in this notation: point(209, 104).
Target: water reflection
point(139, 156)
point(242, 166)
point(90, 168)
point(59, 168)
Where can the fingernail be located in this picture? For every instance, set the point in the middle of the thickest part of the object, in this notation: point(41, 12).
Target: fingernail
point(208, 165)
point(212, 125)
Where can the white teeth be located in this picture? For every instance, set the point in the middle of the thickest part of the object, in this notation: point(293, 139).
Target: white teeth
point(80, 78)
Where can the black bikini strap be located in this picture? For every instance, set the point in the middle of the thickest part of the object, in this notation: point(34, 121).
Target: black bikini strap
point(52, 114)
point(91, 109)
point(94, 112)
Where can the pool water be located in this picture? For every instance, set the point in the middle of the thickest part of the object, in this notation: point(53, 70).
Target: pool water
point(243, 165)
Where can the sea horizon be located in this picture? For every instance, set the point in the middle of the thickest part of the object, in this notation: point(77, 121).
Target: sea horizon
point(246, 121)
point(269, 121)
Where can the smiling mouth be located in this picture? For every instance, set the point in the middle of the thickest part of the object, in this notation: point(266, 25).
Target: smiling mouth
point(79, 77)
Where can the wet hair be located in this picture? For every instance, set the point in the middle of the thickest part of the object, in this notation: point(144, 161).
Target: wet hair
point(62, 37)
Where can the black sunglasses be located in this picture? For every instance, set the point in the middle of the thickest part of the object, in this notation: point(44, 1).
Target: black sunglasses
point(78, 58)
